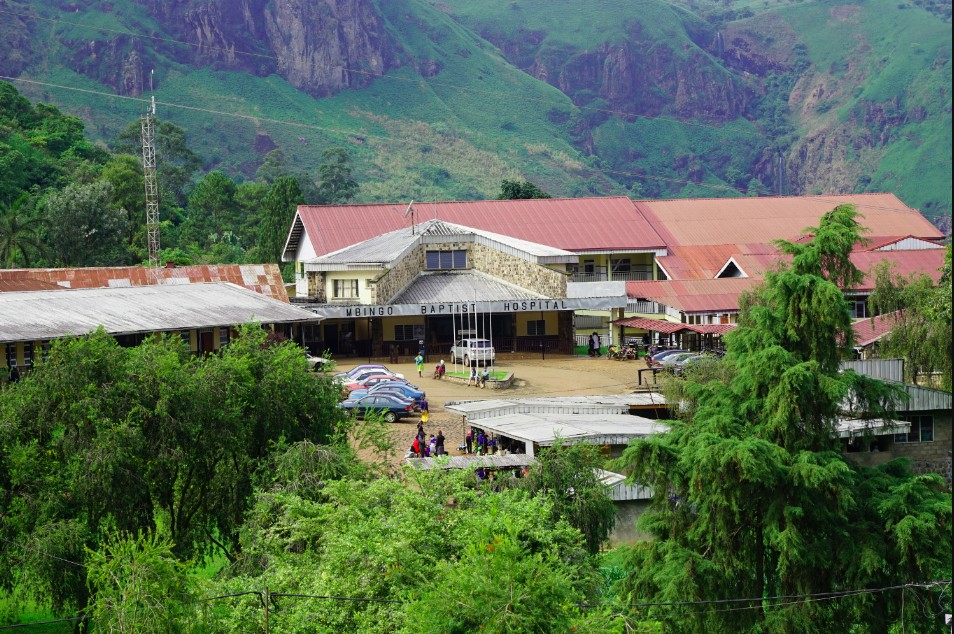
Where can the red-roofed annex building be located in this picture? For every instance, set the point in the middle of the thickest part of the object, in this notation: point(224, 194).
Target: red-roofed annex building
point(683, 261)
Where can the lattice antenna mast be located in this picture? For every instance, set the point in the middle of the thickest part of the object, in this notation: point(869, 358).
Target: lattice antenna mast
point(148, 121)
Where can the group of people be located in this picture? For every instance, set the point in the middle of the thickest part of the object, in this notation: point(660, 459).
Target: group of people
point(422, 447)
point(479, 380)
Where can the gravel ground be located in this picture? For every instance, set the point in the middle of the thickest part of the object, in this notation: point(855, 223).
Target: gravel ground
point(554, 376)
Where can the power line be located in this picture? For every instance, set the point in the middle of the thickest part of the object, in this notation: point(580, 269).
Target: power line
point(406, 141)
point(381, 75)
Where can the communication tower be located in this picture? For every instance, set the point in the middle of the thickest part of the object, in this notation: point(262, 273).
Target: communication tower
point(148, 121)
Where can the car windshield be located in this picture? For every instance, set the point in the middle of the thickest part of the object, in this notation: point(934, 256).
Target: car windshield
point(482, 343)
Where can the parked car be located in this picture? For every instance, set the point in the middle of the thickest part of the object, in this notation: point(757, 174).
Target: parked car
point(317, 364)
point(671, 360)
point(689, 362)
point(361, 393)
point(368, 380)
point(391, 407)
point(472, 352)
point(656, 360)
point(409, 391)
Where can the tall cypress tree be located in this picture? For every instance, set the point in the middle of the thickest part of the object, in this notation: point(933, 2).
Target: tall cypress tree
point(279, 211)
point(753, 498)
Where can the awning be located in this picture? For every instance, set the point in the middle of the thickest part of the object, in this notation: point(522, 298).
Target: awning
point(669, 327)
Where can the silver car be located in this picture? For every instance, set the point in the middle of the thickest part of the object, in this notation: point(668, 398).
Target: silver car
point(472, 352)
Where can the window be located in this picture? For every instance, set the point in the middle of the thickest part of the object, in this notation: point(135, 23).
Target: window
point(404, 332)
point(11, 355)
point(536, 328)
point(589, 266)
point(223, 337)
point(922, 430)
point(345, 289)
point(28, 354)
point(447, 259)
point(621, 266)
point(859, 308)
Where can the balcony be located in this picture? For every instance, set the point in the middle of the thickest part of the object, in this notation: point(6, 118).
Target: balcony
point(643, 307)
point(616, 276)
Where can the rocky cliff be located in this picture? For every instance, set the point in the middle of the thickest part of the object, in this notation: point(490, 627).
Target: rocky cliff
point(321, 47)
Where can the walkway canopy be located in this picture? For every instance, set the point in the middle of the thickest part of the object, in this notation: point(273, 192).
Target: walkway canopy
point(671, 327)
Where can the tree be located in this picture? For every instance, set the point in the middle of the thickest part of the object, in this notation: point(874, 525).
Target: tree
point(212, 209)
point(278, 209)
point(124, 173)
point(19, 235)
point(515, 190)
point(753, 498)
point(335, 183)
point(273, 167)
point(101, 439)
point(922, 315)
point(175, 161)
point(85, 227)
point(567, 475)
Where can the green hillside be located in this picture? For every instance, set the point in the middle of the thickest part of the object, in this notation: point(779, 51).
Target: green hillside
point(649, 98)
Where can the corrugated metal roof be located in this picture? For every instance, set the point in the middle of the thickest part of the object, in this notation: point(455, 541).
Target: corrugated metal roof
point(496, 461)
point(925, 399)
point(265, 279)
point(619, 490)
point(42, 315)
point(734, 220)
point(698, 262)
point(669, 327)
point(573, 224)
point(885, 369)
point(385, 249)
point(694, 295)
point(454, 286)
point(867, 331)
point(850, 427)
point(904, 263)
point(545, 429)
point(603, 404)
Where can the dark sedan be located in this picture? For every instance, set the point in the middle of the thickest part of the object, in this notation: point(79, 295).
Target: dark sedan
point(390, 406)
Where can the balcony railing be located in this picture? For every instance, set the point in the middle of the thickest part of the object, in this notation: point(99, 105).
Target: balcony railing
point(602, 276)
point(645, 308)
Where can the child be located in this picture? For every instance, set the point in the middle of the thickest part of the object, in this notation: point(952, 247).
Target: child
point(419, 362)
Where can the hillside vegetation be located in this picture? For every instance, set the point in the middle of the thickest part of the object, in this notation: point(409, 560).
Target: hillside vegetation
point(445, 99)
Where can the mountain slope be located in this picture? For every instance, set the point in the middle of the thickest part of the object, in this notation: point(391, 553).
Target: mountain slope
point(444, 99)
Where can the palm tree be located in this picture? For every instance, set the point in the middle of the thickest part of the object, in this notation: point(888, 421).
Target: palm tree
point(19, 235)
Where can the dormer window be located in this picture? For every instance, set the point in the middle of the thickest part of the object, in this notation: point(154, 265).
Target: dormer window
point(437, 260)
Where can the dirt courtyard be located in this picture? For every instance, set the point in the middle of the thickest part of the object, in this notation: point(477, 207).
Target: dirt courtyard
point(554, 376)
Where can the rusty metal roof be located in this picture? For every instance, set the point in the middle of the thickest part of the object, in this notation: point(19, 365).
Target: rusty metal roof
point(573, 224)
point(904, 263)
point(42, 315)
point(868, 331)
point(694, 296)
point(706, 221)
point(669, 327)
point(265, 279)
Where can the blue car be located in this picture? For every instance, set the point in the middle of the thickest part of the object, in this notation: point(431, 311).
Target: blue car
point(391, 407)
point(411, 391)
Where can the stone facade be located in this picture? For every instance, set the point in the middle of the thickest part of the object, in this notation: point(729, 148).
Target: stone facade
point(517, 271)
point(926, 457)
point(395, 280)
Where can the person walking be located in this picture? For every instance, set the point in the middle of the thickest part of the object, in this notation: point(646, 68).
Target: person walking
point(469, 440)
point(594, 344)
point(425, 410)
point(419, 362)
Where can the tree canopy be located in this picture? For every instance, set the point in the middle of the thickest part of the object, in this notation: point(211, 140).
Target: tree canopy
point(753, 497)
point(515, 190)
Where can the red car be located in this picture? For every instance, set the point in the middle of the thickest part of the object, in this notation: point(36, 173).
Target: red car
point(368, 381)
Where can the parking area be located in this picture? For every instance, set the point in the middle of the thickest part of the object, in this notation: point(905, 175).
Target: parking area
point(553, 376)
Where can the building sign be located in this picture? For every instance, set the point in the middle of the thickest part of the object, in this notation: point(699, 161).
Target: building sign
point(469, 308)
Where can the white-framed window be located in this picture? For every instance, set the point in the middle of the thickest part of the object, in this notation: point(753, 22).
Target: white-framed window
point(922, 430)
point(404, 332)
point(859, 308)
point(344, 289)
point(456, 259)
point(224, 334)
point(536, 328)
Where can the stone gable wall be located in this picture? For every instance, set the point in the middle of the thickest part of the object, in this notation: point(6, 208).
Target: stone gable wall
point(395, 280)
point(517, 271)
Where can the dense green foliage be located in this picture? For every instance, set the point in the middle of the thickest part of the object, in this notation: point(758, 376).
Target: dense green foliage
point(922, 312)
point(516, 190)
point(65, 202)
point(657, 99)
point(753, 496)
point(100, 439)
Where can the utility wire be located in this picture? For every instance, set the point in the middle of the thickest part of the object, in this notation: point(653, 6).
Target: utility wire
point(405, 141)
point(379, 75)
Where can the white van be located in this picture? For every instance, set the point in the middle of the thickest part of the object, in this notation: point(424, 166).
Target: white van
point(472, 352)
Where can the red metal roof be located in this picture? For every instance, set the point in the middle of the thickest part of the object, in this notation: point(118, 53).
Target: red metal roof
point(867, 331)
point(703, 221)
point(265, 279)
point(904, 263)
point(574, 224)
point(669, 327)
point(694, 296)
